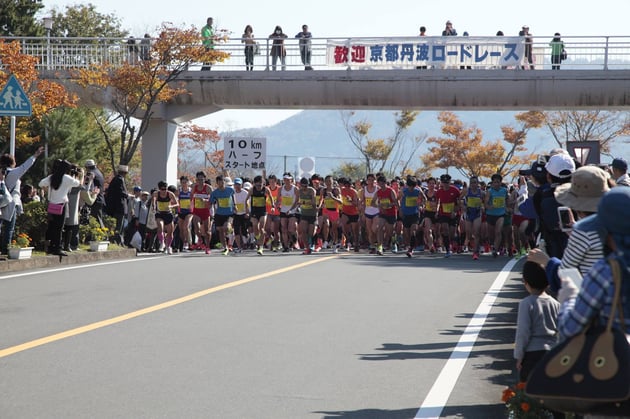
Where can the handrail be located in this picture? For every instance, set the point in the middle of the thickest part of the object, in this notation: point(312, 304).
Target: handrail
point(55, 53)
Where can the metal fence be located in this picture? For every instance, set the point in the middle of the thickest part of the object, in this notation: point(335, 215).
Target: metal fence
point(592, 53)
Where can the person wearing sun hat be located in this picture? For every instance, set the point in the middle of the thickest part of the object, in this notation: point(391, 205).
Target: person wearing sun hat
point(593, 300)
point(584, 247)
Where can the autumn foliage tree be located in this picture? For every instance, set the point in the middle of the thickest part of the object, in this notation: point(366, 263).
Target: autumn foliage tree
point(194, 138)
point(45, 95)
point(134, 89)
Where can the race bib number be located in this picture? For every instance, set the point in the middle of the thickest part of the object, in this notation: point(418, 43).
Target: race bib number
point(347, 201)
point(287, 201)
point(430, 206)
point(258, 201)
point(448, 208)
point(386, 203)
point(240, 207)
point(498, 202)
point(163, 206)
point(330, 203)
point(411, 201)
point(368, 202)
point(184, 203)
point(225, 202)
point(474, 202)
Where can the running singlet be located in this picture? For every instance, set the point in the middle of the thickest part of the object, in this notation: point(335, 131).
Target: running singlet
point(273, 210)
point(387, 204)
point(409, 201)
point(498, 200)
point(473, 204)
point(329, 203)
point(240, 202)
point(184, 202)
point(448, 199)
point(431, 204)
point(287, 198)
point(200, 197)
point(258, 202)
point(368, 197)
point(306, 203)
point(347, 195)
point(223, 199)
point(164, 203)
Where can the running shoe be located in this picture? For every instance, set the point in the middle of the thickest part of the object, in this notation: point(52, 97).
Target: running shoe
point(225, 252)
point(448, 254)
point(335, 249)
point(207, 250)
point(409, 253)
point(475, 256)
point(307, 251)
point(260, 250)
point(395, 248)
point(169, 250)
point(372, 250)
point(379, 250)
point(494, 254)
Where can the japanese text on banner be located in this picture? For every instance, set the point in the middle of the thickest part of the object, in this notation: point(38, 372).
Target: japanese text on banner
point(244, 153)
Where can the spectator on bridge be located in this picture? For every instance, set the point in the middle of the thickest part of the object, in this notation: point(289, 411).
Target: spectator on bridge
point(305, 47)
point(449, 30)
point(250, 45)
point(12, 181)
point(145, 48)
point(207, 35)
point(277, 48)
point(620, 171)
point(132, 48)
point(557, 46)
point(423, 32)
point(528, 46)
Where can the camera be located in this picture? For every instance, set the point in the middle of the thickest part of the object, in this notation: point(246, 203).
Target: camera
point(564, 215)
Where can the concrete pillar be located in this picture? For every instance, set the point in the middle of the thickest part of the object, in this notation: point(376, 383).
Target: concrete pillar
point(159, 154)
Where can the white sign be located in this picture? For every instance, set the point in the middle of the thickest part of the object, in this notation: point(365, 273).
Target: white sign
point(438, 51)
point(244, 153)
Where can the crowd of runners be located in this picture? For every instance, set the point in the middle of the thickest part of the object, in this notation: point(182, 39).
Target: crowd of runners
point(374, 215)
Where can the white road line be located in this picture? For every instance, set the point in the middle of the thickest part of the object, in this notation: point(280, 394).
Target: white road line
point(438, 396)
point(70, 268)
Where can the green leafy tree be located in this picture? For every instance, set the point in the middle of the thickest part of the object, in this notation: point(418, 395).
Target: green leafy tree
point(83, 20)
point(17, 18)
point(350, 170)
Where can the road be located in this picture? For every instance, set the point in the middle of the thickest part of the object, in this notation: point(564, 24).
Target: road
point(242, 336)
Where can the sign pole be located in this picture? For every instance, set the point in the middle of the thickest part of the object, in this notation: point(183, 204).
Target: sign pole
point(12, 143)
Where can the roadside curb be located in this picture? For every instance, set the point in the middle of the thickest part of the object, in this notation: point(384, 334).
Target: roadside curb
point(51, 261)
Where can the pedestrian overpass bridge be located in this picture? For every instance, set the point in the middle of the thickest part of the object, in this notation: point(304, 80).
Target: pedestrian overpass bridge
point(596, 76)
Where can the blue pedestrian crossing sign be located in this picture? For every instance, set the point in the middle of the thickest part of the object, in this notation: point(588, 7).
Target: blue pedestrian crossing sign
point(13, 99)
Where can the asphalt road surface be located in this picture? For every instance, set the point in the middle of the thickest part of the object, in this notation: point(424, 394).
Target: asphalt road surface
point(242, 336)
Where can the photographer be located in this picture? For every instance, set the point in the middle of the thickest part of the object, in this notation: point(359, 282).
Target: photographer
point(76, 195)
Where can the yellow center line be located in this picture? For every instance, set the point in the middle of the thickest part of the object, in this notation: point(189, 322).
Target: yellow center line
point(118, 319)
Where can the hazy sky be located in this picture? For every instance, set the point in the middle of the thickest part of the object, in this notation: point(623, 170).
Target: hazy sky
point(327, 18)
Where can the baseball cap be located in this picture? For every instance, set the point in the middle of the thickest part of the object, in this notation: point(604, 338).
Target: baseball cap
point(620, 164)
point(588, 185)
point(238, 181)
point(228, 181)
point(612, 204)
point(137, 188)
point(560, 166)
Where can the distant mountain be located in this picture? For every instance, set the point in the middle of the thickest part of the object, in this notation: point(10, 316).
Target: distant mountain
point(320, 134)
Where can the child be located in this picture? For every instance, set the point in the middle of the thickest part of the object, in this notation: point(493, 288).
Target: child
point(536, 325)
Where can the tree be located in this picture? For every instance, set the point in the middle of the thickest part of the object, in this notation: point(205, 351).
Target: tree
point(195, 138)
point(378, 152)
point(45, 96)
point(134, 90)
point(82, 20)
point(17, 18)
point(462, 147)
point(350, 170)
point(515, 139)
point(597, 125)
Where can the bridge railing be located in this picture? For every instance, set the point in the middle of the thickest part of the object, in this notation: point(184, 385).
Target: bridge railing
point(592, 53)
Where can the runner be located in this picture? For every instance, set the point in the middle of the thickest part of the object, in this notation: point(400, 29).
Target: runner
point(448, 197)
point(258, 197)
point(496, 201)
point(288, 217)
point(473, 199)
point(429, 219)
point(350, 213)
point(307, 201)
point(222, 198)
point(272, 225)
point(164, 200)
point(202, 217)
point(184, 216)
point(240, 219)
point(330, 202)
point(370, 211)
point(411, 200)
point(385, 201)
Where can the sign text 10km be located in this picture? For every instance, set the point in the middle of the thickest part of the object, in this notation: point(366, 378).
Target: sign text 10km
point(245, 153)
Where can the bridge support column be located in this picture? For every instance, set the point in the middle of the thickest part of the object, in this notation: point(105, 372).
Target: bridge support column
point(159, 154)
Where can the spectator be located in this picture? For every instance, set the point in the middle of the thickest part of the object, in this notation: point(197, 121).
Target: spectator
point(559, 168)
point(28, 193)
point(593, 302)
point(620, 171)
point(116, 202)
point(250, 44)
point(59, 183)
point(536, 324)
point(76, 195)
point(132, 48)
point(207, 35)
point(13, 184)
point(528, 46)
point(98, 181)
point(449, 30)
point(277, 48)
point(557, 46)
point(305, 47)
point(423, 32)
point(584, 248)
point(145, 48)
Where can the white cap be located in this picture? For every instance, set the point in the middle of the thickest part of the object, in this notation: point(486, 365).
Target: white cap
point(560, 165)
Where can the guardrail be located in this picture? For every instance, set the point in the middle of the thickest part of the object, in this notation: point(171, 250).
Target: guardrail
point(588, 53)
